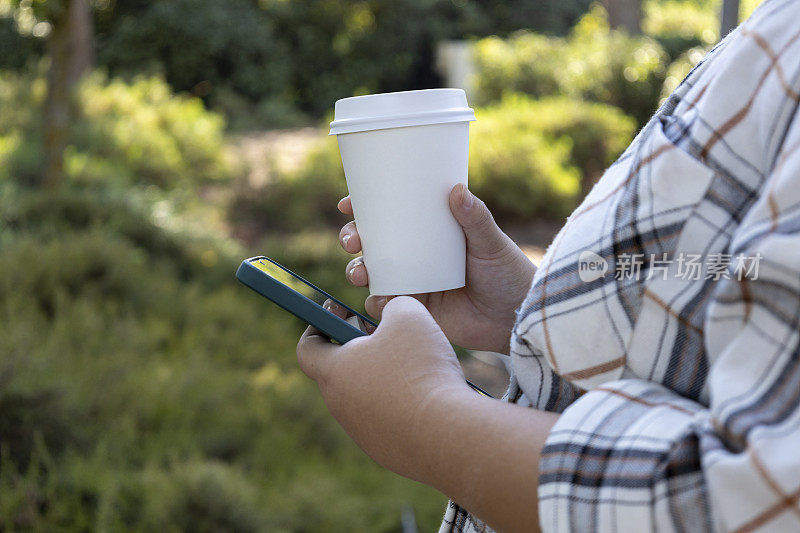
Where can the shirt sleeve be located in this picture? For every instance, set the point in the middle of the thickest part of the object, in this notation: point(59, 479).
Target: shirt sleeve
point(632, 455)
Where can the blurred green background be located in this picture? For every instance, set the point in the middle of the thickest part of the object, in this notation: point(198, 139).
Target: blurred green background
point(147, 147)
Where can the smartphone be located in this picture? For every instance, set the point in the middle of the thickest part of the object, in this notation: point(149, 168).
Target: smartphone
point(305, 301)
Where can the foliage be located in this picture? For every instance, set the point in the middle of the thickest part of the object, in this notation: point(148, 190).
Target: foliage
point(680, 68)
point(163, 395)
point(528, 158)
point(343, 48)
point(199, 46)
point(18, 50)
point(310, 53)
point(503, 17)
point(140, 133)
point(268, 57)
point(527, 63)
point(244, 115)
point(681, 24)
point(299, 198)
point(593, 63)
point(162, 139)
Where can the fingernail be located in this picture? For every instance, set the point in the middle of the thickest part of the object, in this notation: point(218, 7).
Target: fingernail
point(467, 198)
point(352, 272)
point(382, 301)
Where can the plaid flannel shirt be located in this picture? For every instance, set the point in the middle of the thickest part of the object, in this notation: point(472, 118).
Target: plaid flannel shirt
point(679, 394)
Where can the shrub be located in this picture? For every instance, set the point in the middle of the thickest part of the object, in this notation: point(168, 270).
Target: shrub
point(680, 68)
point(550, 17)
point(18, 50)
point(680, 25)
point(527, 158)
point(210, 496)
point(161, 397)
point(599, 133)
point(593, 63)
point(197, 46)
point(244, 115)
point(159, 138)
point(305, 54)
point(519, 174)
point(139, 133)
point(614, 68)
point(295, 199)
point(526, 63)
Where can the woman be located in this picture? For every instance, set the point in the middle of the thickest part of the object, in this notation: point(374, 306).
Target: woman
point(655, 352)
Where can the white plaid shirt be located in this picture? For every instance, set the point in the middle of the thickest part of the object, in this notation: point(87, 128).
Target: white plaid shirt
point(677, 370)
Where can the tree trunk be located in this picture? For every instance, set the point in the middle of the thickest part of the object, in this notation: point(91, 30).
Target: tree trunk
point(625, 15)
point(70, 51)
point(729, 18)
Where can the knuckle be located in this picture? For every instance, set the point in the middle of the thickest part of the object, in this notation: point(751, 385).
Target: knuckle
point(301, 360)
point(482, 214)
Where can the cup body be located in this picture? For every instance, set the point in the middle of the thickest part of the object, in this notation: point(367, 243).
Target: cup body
point(399, 181)
point(402, 155)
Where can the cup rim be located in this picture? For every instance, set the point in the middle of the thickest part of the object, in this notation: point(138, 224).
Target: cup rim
point(450, 106)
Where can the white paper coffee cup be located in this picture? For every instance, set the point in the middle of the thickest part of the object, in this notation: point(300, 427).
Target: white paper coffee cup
point(402, 155)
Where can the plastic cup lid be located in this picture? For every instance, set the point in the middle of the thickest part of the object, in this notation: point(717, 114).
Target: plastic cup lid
point(398, 110)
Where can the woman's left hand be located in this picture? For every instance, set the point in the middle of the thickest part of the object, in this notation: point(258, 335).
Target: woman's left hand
point(381, 387)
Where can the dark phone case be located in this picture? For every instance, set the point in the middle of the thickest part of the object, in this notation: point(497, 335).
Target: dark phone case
point(300, 306)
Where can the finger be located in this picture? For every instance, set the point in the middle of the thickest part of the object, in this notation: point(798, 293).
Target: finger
point(370, 329)
point(349, 238)
point(485, 239)
point(313, 352)
point(375, 304)
point(336, 309)
point(345, 205)
point(356, 272)
point(403, 309)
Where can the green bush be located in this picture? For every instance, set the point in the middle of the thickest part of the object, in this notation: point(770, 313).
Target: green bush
point(164, 395)
point(247, 54)
point(295, 199)
point(592, 62)
point(159, 138)
point(21, 98)
point(680, 68)
point(197, 46)
point(502, 17)
point(140, 133)
point(599, 133)
point(19, 51)
point(528, 158)
point(525, 63)
point(680, 24)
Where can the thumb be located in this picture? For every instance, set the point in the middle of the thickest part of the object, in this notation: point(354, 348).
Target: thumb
point(404, 313)
point(485, 239)
point(404, 317)
point(400, 308)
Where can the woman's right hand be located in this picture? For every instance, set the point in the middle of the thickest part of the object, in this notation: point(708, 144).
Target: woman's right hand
point(480, 315)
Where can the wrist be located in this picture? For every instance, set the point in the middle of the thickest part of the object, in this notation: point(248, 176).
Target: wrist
point(432, 445)
point(484, 454)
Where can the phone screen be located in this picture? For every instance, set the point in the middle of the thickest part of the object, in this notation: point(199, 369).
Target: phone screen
point(293, 281)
